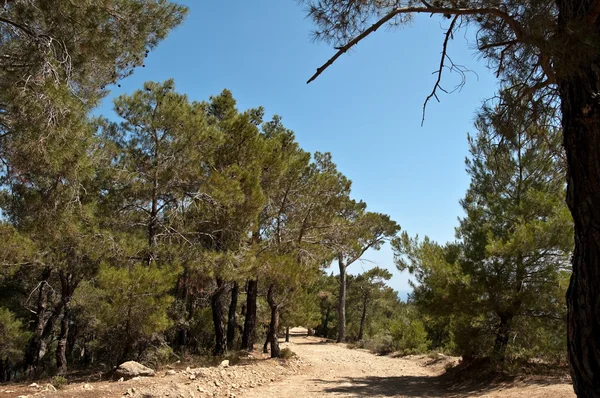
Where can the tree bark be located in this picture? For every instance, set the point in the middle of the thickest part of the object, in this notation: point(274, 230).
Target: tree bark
point(67, 287)
point(250, 321)
point(363, 318)
point(287, 334)
point(61, 348)
point(581, 132)
point(232, 316)
point(216, 304)
point(267, 340)
point(274, 325)
point(578, 90)
point(326, 323)
point(502, 336)
point(44, 325)
point(342, 303)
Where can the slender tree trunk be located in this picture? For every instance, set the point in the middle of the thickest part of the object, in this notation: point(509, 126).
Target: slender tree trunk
point(502, 336)
point(44, 325)
point(287, 334)
point(250, 321)
point(267, 340)
point(61, 348)
point(326, 323)
point(342, 303)
point(274, 325)
point(363, 318)
point(232, 316)
point(216, 303)
point(68, 286)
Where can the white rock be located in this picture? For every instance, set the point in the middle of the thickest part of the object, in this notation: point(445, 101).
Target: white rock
point(132, 369)
point(224, 364)
point(49, 387)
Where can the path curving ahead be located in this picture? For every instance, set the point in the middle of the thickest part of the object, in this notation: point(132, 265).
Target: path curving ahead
point(332, 370)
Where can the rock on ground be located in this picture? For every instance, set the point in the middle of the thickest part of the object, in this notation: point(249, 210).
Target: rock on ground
point(131, 369)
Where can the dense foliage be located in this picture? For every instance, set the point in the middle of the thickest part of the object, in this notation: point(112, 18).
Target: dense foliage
point(187, 228)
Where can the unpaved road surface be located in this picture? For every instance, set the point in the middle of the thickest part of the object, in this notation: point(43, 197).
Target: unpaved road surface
point(320, 370)
point(332, 370)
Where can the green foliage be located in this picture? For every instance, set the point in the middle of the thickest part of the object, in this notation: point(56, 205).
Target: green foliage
point(287, 353)
point(408, 332)
point(502, 286)
point(59, 382)
point(131, 308)
point(14, 337)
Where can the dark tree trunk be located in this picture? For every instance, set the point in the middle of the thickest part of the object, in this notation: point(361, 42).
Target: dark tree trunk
point(232, 316)
point(250, 321)
point(581, 130)
point(502, 336)
point(216, 303)
point(72, 337)
point(363, 318)
point(326, 323)
point(267, 340)
point(61, 348)
point(67, 287)
point(580, 110)
point(287, 334)
point(274, 325)
point(44, 325)
point(342, 303)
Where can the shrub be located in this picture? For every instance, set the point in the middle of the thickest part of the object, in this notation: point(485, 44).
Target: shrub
point(408, 335)
point(286, 353)
point(59, 382)
point(13, 337)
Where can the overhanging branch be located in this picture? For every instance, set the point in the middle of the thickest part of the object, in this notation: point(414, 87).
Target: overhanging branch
point(437, 86)
point(517, 29)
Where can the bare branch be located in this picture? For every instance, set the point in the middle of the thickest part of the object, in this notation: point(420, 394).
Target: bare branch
point(439, 73)
point(517, 29)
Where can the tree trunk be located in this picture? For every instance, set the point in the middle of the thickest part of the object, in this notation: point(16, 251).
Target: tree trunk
point(580, 110)
point(61, 348)
point(232, 316)
point(326, 323)
point(502, 337)
point(216, 304)
point(342, 303)
point(363, 318)
point(267, 339)
point(274, 325)
point(250, 321)
point(44, 325)
point(67, 287)
point(287, 334)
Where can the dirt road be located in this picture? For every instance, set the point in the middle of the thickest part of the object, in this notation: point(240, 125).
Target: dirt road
point(321, 370)
point(335, 371)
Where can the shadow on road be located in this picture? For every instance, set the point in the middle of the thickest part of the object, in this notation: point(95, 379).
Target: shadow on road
point(414, 386)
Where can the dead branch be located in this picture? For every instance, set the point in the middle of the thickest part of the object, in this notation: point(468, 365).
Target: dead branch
point(437, 86)
point(520, 34)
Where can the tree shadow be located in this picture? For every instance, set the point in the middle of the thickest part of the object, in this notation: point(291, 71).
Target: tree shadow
point(311, 342)
point(419, 386)
point(409, 386)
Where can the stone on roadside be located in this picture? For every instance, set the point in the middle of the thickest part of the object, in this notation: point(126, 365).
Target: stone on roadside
point(131, 369)
point(224, 364)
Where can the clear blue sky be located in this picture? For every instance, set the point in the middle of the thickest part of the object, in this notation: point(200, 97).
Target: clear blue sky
point(365, 109)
